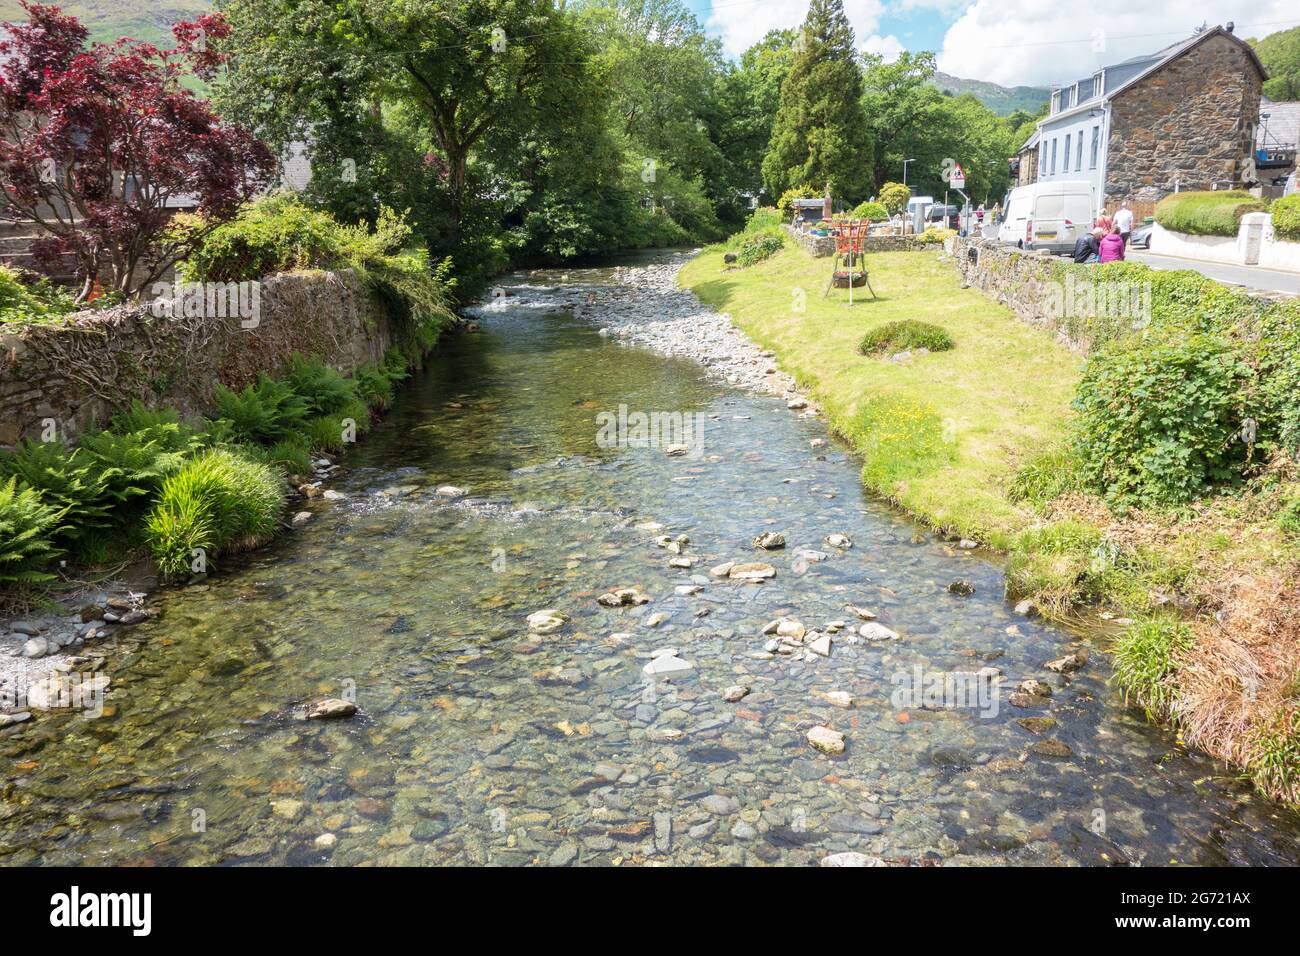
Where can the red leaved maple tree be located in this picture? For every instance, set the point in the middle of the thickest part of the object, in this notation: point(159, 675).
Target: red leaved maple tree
point(100, 143)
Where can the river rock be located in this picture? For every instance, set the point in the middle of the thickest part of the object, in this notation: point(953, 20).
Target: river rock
point(752, 572)
point(961, 588)
point(873, 631)
point(450, 491)
point(330, 708)
point(623, 596)
point(861, 612)
point(36, 647)
point(1027, 608)
point(722, 570)
point(821, 646)
point(546, 622)
point(789, 628)
point(839, 698)
point(1037, 725)
point(770, 541)
point(720, 805)
point(795, 404)
point(734, 693)
point(850, 859)
point(839, 540)
point(1071, 662)
point(25, 627)
point(826, 740)
point(332, 495)
point(1051, 748)
point(300, 519)
point(666, 666)
point(676, 451)
point(1035, 687)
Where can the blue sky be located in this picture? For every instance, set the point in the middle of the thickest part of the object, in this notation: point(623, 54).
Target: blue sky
point(1035, 42)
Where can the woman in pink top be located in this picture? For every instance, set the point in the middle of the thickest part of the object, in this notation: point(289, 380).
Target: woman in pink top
point(1111, 248)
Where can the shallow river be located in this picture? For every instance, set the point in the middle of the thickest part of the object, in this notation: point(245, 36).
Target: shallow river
point(477, 742)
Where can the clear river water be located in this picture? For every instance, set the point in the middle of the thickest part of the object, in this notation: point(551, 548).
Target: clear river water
point(478, 742)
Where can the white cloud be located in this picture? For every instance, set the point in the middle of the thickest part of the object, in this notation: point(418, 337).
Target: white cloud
point(888, 48)
point(1040, 42)
point(739, 24)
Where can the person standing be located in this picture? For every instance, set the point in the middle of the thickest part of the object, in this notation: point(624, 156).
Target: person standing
point(1124, 222)
point(1103, 222)
point(1111, 247)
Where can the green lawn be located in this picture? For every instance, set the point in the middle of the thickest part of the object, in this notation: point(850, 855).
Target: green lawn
point(940, 434)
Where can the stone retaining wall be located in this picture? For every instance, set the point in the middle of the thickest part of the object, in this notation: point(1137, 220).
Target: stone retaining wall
point(77, 372)
point(825, 245)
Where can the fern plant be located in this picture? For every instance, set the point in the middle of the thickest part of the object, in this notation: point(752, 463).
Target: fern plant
point(323, 389)
point(66, 480)
point(263, 413)
point(27, 529)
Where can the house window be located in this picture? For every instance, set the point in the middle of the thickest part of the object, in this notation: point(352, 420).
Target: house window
point(1074, 95)
point(1065, 160)
point(1097, 82)
point(1056, 101)
point(1042, 158)
point(1053, 169)
point(1096, 142)
point(1078, 156)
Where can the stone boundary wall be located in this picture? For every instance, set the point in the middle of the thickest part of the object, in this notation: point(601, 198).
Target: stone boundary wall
point(79, 371)
point(1023, 282)
point(820, 246)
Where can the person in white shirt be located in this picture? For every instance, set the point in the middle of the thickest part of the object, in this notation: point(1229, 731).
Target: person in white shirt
point(1124, 222)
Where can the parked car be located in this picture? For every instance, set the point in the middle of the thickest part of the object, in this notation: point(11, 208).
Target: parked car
point(1048, 215)
point(938, 213)
point(1140, 238)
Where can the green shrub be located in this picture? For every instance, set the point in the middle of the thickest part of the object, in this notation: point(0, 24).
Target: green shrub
point(785, 205)
point(1279, 371)
point(894, 197)
point(1288, 518)
point(67, 480)
point(219, 501)
point(23, 303)
point(903, 335)
point(1286, 217)
point(323, 388)
point(758, 248)
point(1207, 213)
point(27, 528)
point(163, 425)
point(329, 432)
point(871, 210)
point(1274, 761)
point(1145, 659)
point(935, 234)
point(374, 381)
point(265, 412)
point(1160, 418)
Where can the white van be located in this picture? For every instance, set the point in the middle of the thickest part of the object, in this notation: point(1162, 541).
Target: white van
point(1049, 215)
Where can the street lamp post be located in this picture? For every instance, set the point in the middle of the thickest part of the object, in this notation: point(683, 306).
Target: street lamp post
point(905, 162)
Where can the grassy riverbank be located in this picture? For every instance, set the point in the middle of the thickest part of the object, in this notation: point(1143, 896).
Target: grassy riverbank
point(980, 440)
point(943, 432)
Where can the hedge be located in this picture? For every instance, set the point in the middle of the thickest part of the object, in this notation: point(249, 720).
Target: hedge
point(1211, 213)
point(1286, 217)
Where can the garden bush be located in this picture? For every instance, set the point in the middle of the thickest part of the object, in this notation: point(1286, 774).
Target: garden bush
point(1160, 418)
point(903, 335)
point(27, 527)
point(1286, 217)
point(221, 500)
point(757, 248)
point(1207, 213)
point(871, 210)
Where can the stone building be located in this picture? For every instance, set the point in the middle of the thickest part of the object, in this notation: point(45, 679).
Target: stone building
point(1182, 118)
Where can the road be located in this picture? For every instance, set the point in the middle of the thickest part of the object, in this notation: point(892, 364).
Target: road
point(1251, 277)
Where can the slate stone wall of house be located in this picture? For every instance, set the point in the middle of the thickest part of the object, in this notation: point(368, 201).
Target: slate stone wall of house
point(77, 372)
point(1191, 122)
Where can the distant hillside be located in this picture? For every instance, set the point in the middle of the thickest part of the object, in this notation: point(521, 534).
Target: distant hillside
point(1280, 54)
point(1002, 100)
point(148, 20)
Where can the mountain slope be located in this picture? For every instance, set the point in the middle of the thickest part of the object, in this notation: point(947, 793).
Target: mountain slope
point(1280, 54)
point(1002, 100)
point(148, 20)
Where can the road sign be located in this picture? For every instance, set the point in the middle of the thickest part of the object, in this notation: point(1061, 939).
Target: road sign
point(957, 177)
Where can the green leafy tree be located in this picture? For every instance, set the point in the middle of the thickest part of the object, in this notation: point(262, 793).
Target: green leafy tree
point(820, 133)
point(1280, 54)
point(749, 96)
point(894, 197)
